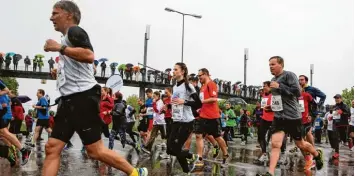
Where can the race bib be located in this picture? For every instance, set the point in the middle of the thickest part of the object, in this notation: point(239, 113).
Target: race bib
point(317, 124)
point(336, 116)
point(177, 112)
point(301, 105)
point(202, 97)
point(150, 111)
point(276, 103)
point(263, 102)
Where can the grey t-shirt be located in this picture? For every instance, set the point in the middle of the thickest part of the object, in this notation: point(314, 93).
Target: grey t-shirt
point(289, 91)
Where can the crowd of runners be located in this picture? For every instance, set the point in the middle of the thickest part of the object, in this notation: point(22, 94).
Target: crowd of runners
point(289, 107)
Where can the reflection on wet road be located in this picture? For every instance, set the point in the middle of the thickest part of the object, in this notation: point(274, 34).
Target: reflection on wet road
point(74, 162)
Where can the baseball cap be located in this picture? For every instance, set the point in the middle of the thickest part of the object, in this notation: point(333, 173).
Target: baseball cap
point(337, 96)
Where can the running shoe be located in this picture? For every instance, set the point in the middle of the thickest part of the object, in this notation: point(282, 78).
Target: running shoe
point(265, 174)
point(145, 150)
point(26, 153)
point(199, 164)
point(319, 160)
point(11, 157)
point(242, 143)
point(263, 158)
point(192, 162)
point(224, 162)
point(215, 152)
point(309, 163)
point(142, 171)
point(335, 155)
point(165, 156)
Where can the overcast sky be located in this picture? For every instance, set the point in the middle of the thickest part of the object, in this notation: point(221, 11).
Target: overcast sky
point(303, 32)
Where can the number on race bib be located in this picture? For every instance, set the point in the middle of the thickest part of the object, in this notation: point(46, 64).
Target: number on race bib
point(177, 112)
point(150, 111)
point(317, 124)
point(276, 103)
point(301, 105)
point(263, 102)
point(336, 116)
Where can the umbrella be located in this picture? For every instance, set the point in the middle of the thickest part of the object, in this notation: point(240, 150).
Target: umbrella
point(129, 65)
point(122, 67)
point(150, 72)
point(39, 56)
point(238, 82)
point(103, 60)
point(96, 62)
point(136, 68)
point(24, 98)
point(168, 70)
point(17, 56)
point(2, 54)
point(10, 53)
point(113, 64)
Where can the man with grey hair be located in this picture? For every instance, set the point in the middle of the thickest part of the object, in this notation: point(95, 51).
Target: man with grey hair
point(78, 107)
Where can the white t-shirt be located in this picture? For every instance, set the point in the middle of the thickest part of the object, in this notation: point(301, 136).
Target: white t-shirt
point(182, 113)
point(158, 117)
point(352, 116)
point(330, 122)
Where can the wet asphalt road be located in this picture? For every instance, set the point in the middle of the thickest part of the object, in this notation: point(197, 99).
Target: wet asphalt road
point(74, 162)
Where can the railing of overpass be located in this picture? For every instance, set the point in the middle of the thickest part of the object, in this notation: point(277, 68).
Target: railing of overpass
point(151, 75)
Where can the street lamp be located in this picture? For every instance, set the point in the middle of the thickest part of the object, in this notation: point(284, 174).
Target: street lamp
point(183, 26)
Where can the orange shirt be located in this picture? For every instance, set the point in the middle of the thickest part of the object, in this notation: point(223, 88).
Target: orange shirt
point(209, 110)
point(267, 115)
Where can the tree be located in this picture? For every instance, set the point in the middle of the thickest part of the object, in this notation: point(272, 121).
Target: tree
point(133, 101)
point(348, 96)
point(11, 83)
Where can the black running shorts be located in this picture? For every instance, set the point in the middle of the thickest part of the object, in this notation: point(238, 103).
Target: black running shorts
point(143, 125)
point(79, 113)
point(43, 123)
point(208, 127)
point(288, 126)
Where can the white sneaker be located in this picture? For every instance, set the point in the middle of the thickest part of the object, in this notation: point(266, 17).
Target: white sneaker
point(263, 158)
point(243, 143)
point(252, 135)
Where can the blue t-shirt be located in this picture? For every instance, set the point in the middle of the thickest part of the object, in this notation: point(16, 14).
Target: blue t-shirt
point(318, 123)
point(4, 99)
point(149, 106)
point(223, 120)
point(42, 113)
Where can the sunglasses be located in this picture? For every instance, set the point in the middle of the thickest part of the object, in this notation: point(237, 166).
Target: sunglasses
point(200, 75)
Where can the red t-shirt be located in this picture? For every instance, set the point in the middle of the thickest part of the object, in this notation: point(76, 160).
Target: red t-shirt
point(167, 101)
point(267, 115)
point(209, 110)
point(305, 99)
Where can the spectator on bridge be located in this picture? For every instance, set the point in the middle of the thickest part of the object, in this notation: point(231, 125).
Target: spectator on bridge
point(8, 62)
point(51, 64)
point(103, 69)
point(220, 86)
point(35, 62)
point(128, 72)
point(1, 61)
point(113, 68)
point(40, 64)
point(27, 62)
point(15, 62)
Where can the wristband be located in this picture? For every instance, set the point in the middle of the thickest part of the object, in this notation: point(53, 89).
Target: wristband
point(62, 48)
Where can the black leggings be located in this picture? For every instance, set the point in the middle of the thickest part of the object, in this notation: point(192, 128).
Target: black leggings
point(244, 131)
point(332, 139)
point(168, 125)
point(129, 130)
point(338, 133)
point(318, 135)
point(180, 132)
point(263, 129)
point(343, 136)
point(105, 130)
point(15, 126)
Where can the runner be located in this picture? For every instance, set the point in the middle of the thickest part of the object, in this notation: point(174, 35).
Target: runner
point(158, 122)
point(351, 127)
point(4, 131)
point(17, 113)
point(341, 113)
point(287, 119)
point(230, 123)
point(143, 122)
point(78, 108)
point(131, 120)
point(184, 97)
point(209, 121)
point(265, 123)
point(43, 116)
point(106, 105)
point(167, 109)
point(318, 127)
point(330, 129)
point(149, 108)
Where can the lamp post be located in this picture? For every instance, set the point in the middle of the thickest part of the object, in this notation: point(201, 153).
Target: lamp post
point(183, 26)
point(312, 72)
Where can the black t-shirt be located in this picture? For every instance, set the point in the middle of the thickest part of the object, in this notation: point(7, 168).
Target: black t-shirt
point(79, 38)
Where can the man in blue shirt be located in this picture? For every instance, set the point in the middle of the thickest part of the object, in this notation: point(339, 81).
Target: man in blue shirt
point(149, 106)
point(5, 112)
point(43, 116)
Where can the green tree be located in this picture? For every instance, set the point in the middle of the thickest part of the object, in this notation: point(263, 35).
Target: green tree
point(133, 101)
point(348, 96)
point(11, 83)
